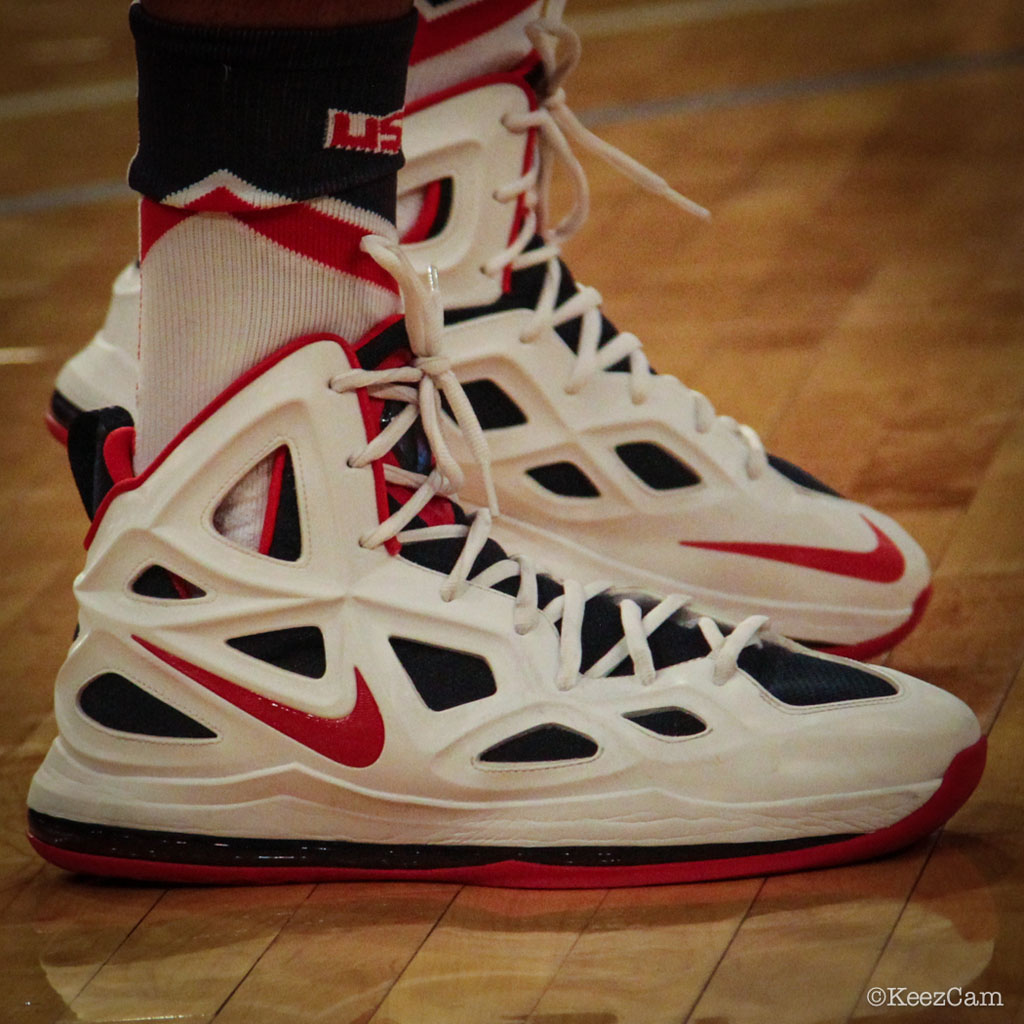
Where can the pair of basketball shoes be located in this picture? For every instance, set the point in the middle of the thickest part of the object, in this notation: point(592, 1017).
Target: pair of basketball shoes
point(384, 689)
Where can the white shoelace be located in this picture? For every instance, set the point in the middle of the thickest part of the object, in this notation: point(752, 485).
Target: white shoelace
point(557, 125)
point(420, 385)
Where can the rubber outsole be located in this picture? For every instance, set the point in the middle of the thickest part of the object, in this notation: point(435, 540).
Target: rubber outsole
point(958, 782)
point(879, 644)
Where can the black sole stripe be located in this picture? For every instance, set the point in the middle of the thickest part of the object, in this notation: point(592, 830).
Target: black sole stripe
point(221, 851)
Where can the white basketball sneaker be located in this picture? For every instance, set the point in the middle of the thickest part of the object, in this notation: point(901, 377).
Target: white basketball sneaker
point(603, 467)
point(378, 691)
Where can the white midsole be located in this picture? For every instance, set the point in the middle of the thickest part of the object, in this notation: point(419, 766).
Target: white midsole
point(295, 802)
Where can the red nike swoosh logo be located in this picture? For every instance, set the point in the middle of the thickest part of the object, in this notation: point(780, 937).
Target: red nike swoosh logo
point(884, 563)
point(355, 741)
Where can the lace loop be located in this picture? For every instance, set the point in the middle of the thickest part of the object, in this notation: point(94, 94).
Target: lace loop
point(726, 649)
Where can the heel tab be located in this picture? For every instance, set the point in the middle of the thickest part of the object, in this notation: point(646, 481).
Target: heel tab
point(96, 464)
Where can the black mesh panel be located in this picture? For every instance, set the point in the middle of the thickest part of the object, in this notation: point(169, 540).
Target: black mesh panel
point(542, 744)
point(286, 543)
point(805, 680)
point(299, 649)
point(443, 677)
point(800, 476)
point(493, 407)
point(655, 466)
point(566, 479)
point(117, 703)
point(156, 581)
point(668, 722)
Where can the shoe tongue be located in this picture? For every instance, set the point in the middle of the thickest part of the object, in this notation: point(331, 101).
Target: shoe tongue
point(386, 350)
point(385, 346)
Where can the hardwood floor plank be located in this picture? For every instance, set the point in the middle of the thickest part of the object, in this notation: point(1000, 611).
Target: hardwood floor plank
point(189, 953)
point(646, 954)
point(963, 929)
point(491, 957)
point(339, 955)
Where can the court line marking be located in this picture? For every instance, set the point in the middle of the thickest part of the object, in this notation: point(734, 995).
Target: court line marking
point(645, 17)
point(642, 17)
point(844, 81)
point(60, 101)
point(822, 85)
point(65, 197)
point(22, 355)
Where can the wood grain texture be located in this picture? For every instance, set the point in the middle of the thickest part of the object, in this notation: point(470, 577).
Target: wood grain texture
point(858, 298)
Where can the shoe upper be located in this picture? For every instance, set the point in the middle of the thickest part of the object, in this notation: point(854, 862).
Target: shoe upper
point(379, 670)
point(587, 443)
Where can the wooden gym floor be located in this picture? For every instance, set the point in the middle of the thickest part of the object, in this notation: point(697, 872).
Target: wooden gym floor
point(859, 299)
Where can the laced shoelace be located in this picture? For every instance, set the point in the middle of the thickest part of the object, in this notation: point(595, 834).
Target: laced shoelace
point(557, 125)
point(419, 386)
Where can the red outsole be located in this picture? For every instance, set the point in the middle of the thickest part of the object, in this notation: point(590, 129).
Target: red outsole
point(880, 644)
point(957, 784)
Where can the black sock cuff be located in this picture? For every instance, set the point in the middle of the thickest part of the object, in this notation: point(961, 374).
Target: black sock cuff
point(259, 102)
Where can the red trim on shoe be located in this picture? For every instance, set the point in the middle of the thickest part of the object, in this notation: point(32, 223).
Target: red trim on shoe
point(517, 77)
point(119, 454)
point(447, 31)
point(880, 644)
point(421, 228)
point(57, 429)
point(273, 500)
point(371, 410)
point(958, 782)
point(122, 486)
point(355, 740)
point(884, 563)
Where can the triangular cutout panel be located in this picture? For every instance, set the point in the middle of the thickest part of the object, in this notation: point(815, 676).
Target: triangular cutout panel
point(443, 677)
point(668, 722)
point(117, 703)
point(298, 649)
point(159, 582)
point(261, 511)
point(542, 744)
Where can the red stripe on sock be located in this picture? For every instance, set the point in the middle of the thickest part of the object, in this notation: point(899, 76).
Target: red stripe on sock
point(220, 200)
point(155, 220)
point(306, 231)
point(451, 30)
